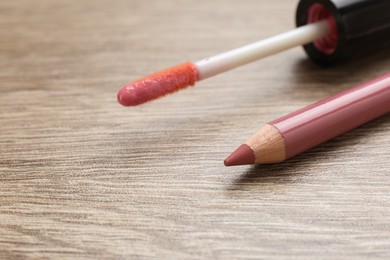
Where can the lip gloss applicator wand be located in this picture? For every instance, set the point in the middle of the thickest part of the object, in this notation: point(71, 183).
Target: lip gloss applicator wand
point(184, 75)
point(330, 31)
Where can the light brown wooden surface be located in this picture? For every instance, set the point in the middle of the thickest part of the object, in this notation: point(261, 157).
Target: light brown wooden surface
point(82, 177)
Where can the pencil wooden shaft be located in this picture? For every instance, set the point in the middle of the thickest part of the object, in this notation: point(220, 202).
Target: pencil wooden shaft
point(326, 119)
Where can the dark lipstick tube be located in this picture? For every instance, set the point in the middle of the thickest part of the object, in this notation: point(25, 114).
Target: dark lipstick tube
point(360, 27)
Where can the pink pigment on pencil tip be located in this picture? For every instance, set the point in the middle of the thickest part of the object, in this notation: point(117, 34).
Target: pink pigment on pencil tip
point(243, 155)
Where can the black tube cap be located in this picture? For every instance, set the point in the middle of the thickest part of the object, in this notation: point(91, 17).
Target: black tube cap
point(361, 26)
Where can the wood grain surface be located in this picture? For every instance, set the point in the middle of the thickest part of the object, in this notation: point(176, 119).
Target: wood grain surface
point(82, 177)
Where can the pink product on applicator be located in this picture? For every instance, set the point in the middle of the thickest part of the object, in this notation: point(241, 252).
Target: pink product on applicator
point(331, 31)
point(158, 84)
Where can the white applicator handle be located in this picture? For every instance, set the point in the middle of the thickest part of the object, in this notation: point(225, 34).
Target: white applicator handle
point(232, 59)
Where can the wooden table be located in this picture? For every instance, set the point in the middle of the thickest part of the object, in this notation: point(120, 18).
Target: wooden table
point(83, 177)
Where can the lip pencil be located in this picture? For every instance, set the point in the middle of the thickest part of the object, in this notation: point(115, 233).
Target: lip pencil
point(301, 130)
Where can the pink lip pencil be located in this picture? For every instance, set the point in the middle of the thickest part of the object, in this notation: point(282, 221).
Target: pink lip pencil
point(330, 31)
point(301, 130)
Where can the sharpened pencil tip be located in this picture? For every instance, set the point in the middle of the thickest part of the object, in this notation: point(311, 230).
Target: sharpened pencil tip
point(243, 155)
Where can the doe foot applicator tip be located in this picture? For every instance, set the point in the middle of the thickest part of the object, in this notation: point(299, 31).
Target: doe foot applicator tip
point(158, 84)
